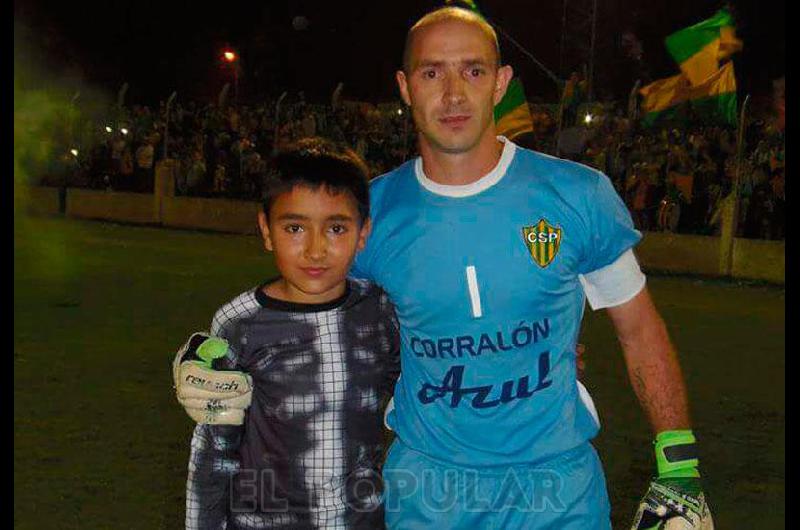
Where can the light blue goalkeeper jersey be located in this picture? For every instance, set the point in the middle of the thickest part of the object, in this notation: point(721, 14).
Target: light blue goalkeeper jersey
point(484, 279)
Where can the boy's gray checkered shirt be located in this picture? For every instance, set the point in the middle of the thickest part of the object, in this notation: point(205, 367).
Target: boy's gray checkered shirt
point(308, 455)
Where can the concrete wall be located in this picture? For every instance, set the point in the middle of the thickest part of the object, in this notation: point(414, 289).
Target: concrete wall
point(40, 200)
point(658, 251)
point(221, 215)
point(753, 259)
point(112, 206)
point(758, 259)
point(662, 251)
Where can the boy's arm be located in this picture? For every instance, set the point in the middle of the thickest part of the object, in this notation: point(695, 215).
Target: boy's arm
point(214, 458)
point(390, 327)
point(392, 330)
point(213, 462)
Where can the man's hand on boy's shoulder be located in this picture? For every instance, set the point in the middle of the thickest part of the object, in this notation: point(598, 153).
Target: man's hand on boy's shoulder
point(215, 397)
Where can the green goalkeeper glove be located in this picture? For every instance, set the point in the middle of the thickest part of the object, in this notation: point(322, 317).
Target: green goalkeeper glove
point(216, 397)
point(675, 499)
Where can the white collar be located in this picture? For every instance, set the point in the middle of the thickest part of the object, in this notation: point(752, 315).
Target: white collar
point(480, 185)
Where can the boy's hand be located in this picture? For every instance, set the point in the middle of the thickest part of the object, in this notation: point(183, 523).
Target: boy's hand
point(216, 397)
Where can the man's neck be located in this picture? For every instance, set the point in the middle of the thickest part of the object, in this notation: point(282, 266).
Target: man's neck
point(460, 169)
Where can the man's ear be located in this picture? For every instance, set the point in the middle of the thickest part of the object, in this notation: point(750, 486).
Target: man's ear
point(366, 228)
point(504, 75)
point(263, 226)
point(402, 84)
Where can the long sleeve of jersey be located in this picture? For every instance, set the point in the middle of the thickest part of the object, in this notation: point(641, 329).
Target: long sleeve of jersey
point(214, 458)
point(213, 462)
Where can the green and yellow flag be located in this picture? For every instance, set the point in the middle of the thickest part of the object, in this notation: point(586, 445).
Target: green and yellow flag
point(467, 4)
point(512, 115)
point(675, 97)
point(574, 91)
point(699, 48)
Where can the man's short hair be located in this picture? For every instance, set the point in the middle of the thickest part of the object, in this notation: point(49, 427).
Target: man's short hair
point(319, 163)
point(444, 14)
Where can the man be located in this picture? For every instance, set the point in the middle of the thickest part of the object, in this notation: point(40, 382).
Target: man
point(488, 252)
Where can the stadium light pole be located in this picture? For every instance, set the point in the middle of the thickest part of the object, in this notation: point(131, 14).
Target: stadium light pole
point(166, 123)
point(230, 57)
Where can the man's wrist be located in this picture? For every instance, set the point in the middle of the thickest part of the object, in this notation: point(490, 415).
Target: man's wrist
point(676, 454)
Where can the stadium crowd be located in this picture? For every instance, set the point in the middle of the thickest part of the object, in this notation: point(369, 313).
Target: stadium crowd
point(671, 178)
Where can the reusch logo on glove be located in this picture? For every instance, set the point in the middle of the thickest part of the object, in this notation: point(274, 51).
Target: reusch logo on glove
point(218, 386)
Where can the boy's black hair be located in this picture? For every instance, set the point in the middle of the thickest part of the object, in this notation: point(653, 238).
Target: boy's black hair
point(316, 162)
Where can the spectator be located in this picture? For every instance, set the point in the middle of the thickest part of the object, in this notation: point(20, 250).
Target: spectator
point(144, 166)
point(234, 144)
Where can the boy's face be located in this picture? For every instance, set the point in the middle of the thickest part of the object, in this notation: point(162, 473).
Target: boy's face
point(315, 236)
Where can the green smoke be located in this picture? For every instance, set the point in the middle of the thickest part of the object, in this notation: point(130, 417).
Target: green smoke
point(49, 121)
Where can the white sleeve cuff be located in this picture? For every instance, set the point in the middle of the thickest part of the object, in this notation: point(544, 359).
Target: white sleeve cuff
point(613, 284)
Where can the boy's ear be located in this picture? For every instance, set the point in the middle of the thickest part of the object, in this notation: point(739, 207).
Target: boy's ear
point(366, 228)
point(263, 226)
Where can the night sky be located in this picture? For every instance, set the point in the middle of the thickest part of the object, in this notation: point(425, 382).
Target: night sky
point(160, 46)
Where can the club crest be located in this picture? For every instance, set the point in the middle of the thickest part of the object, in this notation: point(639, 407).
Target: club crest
point(543, 241)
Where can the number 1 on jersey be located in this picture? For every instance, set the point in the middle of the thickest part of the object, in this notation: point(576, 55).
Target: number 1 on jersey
point(474, 294)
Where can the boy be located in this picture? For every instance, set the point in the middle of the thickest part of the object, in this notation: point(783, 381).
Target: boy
point(321, 352)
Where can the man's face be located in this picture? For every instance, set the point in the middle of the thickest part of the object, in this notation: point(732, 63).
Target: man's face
point(452, 85)
point(315, 236)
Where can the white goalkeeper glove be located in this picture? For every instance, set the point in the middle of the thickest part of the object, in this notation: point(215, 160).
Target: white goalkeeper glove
point(215, 397)
point(674, 500)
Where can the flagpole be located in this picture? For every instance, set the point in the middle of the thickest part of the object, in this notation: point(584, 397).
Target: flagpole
point(734, 208)
point(470, 4)
point(275, 143)
point(739, 150)
point(528, 54)
point(590, 80)
point(633, 108)
point(560, 119)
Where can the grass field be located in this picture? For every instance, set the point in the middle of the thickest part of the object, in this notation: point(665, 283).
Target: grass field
point(100, 442)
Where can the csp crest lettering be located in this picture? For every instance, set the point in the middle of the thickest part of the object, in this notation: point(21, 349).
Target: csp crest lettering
point(543, 241)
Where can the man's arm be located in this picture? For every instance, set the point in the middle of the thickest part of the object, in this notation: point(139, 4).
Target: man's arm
point(652, 363)
point(675, 498)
